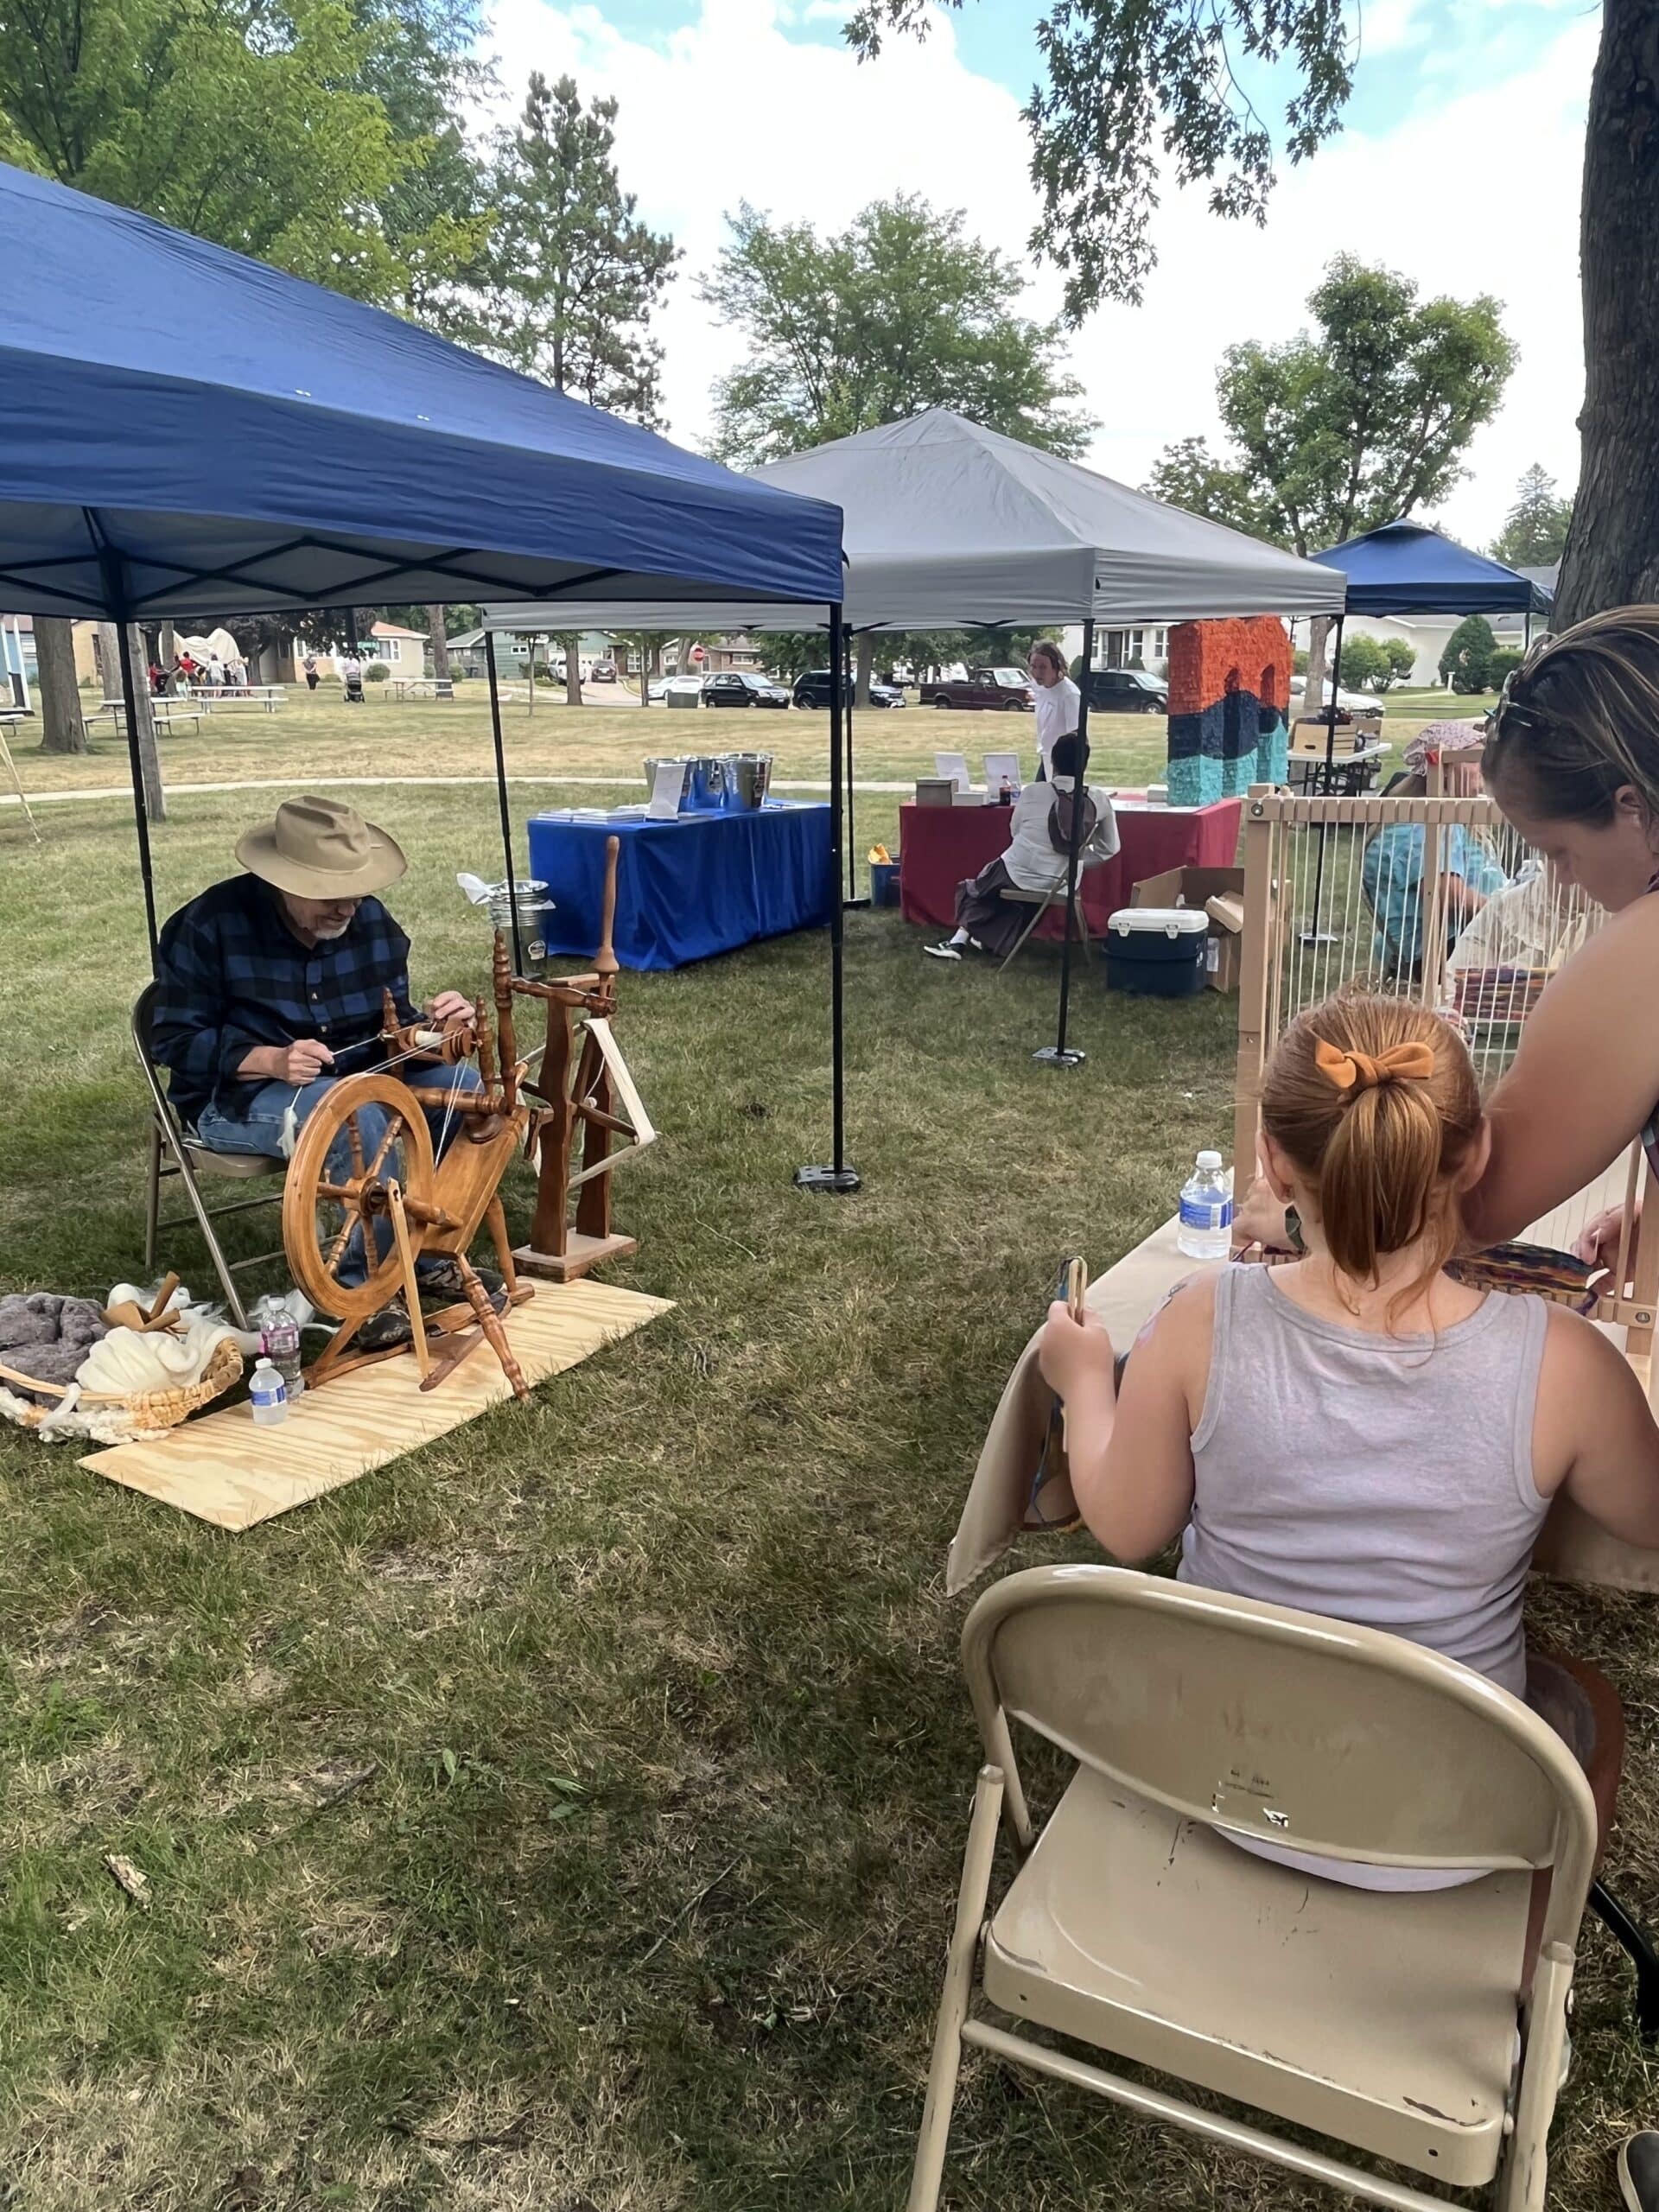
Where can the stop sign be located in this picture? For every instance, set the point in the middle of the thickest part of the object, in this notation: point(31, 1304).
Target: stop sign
point(696, 655)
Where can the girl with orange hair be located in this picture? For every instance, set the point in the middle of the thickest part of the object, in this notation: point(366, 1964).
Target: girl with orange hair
point(1355, 1433)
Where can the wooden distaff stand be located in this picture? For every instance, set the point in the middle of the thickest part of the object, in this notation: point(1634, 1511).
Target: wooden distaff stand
point(333, 1217)
point(585, 1091)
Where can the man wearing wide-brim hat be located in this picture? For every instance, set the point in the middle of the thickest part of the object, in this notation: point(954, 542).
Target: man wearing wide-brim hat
point(269, 992)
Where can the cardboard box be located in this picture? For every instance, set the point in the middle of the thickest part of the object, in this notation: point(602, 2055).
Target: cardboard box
point(935, 790)
point(1220, 891)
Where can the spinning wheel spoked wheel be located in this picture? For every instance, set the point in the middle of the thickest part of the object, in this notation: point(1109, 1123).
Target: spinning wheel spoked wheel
point(342, 1212)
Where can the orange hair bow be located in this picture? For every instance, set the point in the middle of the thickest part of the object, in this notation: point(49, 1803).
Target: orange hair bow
point(1359, 1072)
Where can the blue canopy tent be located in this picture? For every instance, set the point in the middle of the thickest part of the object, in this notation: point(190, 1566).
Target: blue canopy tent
point(184, 432)
point(1405, 568)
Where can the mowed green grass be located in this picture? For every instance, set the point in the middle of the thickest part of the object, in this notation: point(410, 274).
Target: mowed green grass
point(568, 1816)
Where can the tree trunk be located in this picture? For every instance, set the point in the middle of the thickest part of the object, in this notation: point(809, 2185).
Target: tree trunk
point(149, 766)
point(437, 623)
point(530, 675)
point(864, 665)
point(1613, 548)
point(62, 729)
point(1314, 701)
point(572, 672)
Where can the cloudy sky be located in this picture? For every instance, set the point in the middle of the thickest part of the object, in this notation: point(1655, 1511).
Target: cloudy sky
point(1459, 167)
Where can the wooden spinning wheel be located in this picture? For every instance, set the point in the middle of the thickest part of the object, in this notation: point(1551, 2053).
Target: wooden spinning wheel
point(329, 1225)
point(367, 1196)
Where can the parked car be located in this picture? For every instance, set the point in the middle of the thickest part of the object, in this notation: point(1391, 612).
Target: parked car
point(1348, 702)
point(675, 687)
point(812, 690)
point(742, 688)
point(604, 671)
point(1127, 691)
point(994, 689)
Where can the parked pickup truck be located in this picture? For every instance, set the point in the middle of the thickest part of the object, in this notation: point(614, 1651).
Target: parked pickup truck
point(1002, 689)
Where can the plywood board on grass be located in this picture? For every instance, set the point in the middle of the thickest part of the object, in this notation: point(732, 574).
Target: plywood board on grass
point(224, 1470)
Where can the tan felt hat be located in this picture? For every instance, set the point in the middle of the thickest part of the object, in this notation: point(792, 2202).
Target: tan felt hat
point(318, 849)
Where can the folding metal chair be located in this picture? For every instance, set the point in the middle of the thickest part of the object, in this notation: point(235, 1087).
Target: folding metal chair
point(174, 1151)
point(1040, 902)
point(1407, 2026)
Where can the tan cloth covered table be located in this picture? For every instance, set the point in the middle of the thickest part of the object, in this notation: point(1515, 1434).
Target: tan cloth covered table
point(1570, 1548)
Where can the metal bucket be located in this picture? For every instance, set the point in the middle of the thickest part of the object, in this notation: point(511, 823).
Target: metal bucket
point(748, 779)
point(684, 766)
point(708, 783)
point(534, 908)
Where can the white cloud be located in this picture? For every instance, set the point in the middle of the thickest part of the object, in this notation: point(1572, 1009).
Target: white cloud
point(1480, 193)
point(1387, 25)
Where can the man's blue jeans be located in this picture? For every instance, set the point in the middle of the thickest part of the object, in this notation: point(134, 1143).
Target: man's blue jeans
point(257, 1127)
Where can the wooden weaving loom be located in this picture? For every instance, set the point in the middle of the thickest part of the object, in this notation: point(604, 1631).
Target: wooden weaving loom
point(1311, 927)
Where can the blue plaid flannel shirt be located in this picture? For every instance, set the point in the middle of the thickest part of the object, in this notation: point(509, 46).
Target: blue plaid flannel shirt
point(232, 976)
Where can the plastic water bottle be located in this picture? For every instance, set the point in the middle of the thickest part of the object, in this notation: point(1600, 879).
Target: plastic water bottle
point(270, 1394)
point(1206, 1226)
point(279, 1340)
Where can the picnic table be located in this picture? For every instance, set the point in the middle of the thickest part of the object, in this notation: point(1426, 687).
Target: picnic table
point(266, 696)
point(163, 712)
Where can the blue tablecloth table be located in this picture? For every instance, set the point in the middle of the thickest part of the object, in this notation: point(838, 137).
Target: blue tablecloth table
point(685, 889)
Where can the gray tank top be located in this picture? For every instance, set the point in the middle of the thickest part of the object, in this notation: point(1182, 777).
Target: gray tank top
point(1384, 1480)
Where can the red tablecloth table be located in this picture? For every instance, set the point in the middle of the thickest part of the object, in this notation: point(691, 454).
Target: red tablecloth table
point(940, 845)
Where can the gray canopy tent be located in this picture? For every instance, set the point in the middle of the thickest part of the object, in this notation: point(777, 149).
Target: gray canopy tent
point(948, 526)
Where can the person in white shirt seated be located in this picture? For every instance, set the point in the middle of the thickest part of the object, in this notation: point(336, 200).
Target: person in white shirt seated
point(1038, 842)
point(1056, 698)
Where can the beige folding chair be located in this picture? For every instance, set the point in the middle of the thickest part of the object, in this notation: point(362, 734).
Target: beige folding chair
point(1387, 2021)
point(173, 1150)
point(1040, 903)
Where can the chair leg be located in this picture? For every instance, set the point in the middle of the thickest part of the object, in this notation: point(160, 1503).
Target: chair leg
point(1634, 1940)
point(928, 2170)
point(152, 1197)
point(1037, 914)
point(1523, 2175)
point(215, 1250)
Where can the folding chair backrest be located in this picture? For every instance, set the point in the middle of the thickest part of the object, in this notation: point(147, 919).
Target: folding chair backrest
point(1301, 1731)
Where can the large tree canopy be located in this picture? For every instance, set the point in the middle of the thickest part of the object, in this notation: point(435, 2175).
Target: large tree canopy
point(900, 311)
point(287, 129)
point(1351, 425)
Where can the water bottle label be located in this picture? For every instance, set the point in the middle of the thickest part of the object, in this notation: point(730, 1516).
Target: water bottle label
point(268, 1395)
point(1210, 1214)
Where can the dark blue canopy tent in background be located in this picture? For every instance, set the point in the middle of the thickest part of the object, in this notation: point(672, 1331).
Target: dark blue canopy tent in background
point(1405, 568)
point(184, 432)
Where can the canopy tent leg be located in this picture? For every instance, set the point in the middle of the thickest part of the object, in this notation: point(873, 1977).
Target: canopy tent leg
point(849, 689)
point(1313, 934)
point(134, 762)
point(1060, 1054)
point(502, 801)
point(1526, 632)
point(838, 1176)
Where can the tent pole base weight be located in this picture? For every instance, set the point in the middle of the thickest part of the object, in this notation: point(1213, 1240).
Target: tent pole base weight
point(1059, 1056)
point(839, 1180)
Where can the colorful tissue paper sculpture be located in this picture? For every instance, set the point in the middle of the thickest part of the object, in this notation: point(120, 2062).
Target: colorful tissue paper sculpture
point(1229, 698)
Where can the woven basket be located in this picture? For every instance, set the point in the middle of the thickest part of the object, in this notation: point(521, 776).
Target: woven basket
point(112, 1415)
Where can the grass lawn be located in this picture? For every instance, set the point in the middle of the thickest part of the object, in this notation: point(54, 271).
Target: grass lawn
point(568, 1816)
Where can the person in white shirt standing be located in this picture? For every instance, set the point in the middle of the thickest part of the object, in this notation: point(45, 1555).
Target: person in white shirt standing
point(1039, 835)
point(1056, 695)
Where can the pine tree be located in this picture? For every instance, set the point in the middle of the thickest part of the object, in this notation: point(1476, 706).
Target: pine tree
point(1534, 529)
